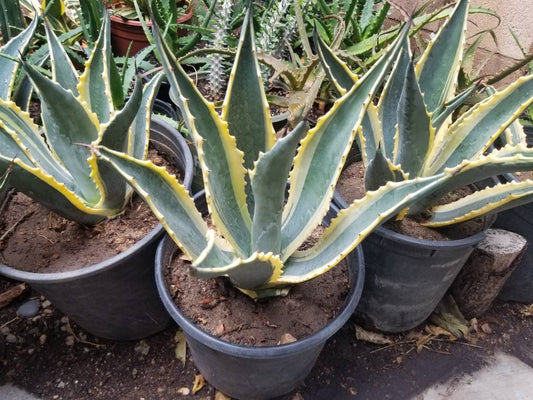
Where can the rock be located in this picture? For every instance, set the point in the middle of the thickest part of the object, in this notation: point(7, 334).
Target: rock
point(4, 330)
point(10, 338)
point(29, 309)
point(287, 338)
point(69, 340)
point(46, 303)
point(61, 384)
point(42, 339)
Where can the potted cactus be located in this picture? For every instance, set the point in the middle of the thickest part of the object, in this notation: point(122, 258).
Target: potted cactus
point(115, 298)
point(257, 230)
point(411, 132)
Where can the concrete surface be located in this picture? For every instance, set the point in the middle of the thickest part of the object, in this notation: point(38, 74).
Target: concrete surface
point(9, 392)
point(504, 378)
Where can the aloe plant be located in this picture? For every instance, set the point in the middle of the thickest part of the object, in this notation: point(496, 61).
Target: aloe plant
point(257, 230)
point(411, 131)
point(76, 109)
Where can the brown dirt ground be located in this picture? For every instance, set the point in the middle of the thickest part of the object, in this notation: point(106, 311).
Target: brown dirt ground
point(54, 359)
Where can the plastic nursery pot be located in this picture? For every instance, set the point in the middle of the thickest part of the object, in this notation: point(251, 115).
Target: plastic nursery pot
point(244, 372)
point(406, 277)
point(117, 298)
point(519, 286)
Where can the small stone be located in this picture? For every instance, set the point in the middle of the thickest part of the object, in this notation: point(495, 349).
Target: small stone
point(61, 384)
point(69, 340)
point(287, 338)
point(64, 320)
point(46, 304)
point(42, 339)
point(134, 372)
point(184, 391)
point(4, 330)
point(31, 351)
point(55, 256)
point(29, 309)
point(142, 348)
point(47, 311)
point(10, 338)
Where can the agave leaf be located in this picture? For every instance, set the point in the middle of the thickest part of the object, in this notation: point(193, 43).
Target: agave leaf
point(140, 130)
point(439, 66)
point(505, 160)
point(115, 137)
point(476, 129)
point(63, 72)
point(254, 272)
point(380, 171)
point(337, 71)
point(172, 205)
point(489, 200)
point(21, 139)
point(415, 133)
point(46, 190)
point(369, 134)
point(320, 158)
point(442, 113)
point(351, 226)
point(12, 49)
point(245, 107)
point(94, 85)
point(390, 100)
point(62, 134)
point(221, 162)
point(269, 183)
point(514, 134)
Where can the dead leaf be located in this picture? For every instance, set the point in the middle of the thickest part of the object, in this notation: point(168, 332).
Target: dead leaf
point(287, 338)
point(221, 396)
point(199, 383)
point(11, 294)
point(181, 346)
point(439, 331)
point(422, 341)
point(399, 359)
point(526, 311)
point(371, 337)
point(486, 328)
point(448, 316)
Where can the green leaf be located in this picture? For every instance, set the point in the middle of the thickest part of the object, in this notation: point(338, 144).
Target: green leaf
point(415, 133)
point(63, 134)
point(269, 184)
point(474, 131)
point(489, 200)
point(439, 66)
point(245, 106)
point(352, 225)
point(444, 111)
point(46, 190)
point(221, 162)
point(321, 155)
point(16, 46)
point(95, 82)
point(172, 205)
point(380, 171)
point(63, 72)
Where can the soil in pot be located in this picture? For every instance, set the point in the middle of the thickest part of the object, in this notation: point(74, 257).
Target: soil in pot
point(223, 311)
point(351, 186)
point(37, 240)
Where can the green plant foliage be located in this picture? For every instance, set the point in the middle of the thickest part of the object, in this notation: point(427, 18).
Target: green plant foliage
point(56, 170)
point(411, 131)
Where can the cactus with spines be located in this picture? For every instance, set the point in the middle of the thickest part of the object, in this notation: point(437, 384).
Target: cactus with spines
point(412, 132)
point(50, 163)
point(217, 73)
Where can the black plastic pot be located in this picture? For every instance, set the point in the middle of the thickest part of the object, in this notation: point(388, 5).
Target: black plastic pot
point(406, 277)
point(117, 298)
point(519, 286)
point(255, 372)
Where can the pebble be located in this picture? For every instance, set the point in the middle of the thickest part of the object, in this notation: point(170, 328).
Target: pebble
point(4, 330)
point(61, 384)
point(31, 351)
point(69, 340)
point(42, 339)
point(10, 338)
point(47, 303)
point(134, 372)
point(29, 309)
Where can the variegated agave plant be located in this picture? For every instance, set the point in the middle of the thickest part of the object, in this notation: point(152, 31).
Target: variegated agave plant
point(88, 109)
point(410, 132)
point(257, 230)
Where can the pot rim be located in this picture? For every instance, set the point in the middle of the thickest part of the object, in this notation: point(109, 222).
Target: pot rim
point(259, 352)
point(153, 235)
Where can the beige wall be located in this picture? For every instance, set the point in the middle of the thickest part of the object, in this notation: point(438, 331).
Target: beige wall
point(517, 14)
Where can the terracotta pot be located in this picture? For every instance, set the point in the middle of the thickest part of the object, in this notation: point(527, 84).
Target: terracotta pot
point(125, 31)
